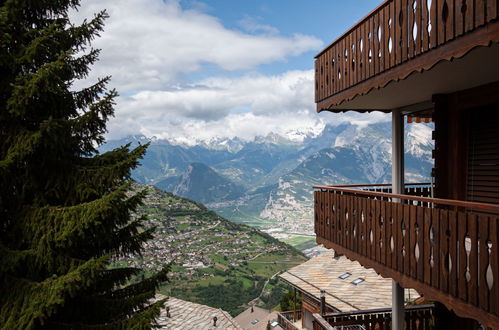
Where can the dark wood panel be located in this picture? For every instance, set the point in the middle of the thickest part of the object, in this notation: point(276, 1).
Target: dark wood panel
point(447, 253)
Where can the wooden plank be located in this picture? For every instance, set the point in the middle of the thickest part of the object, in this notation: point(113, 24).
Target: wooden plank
point(407, 242)
point(400, 238)
point(397, 29)
point(385, 239)
point(410, 26)
point(351, 200)
point(427, 246)
point(483, 232)
point(412, 240)
point(435, 279)
point(434, 23)
point(326, 75)
point(321, 77)
point(491, 10)
point(449, 26)
point(381, 39)
point(441, 24)
point(369, 229)
point(376, 43)
point(469, 18)
point(389, 233)
point(420, 240)
point(458, 19)
point(336, 233)
point(419, 27)
point(444, 251)
point(377, 229)
point(453, 226)
point(473, 260)
point(462, 258)
point(494, 263)
point(365, 48)
point(479, 13)
point(316, 80)
point(358, 54)
point(372, 66)
point(392, 27)
point(386, 37)
point(425, 16)
point(348, 60)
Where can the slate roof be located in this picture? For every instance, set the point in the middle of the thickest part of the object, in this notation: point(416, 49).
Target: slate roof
point(188, 315)
point(323, 272)
point(247, 318)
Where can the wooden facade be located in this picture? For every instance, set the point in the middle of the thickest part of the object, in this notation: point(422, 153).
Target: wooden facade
point(443, 242)
point(398, 38)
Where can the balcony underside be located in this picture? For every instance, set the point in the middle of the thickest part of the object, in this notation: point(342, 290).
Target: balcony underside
point(405, 51)
point(389, 91)
point(439, 248)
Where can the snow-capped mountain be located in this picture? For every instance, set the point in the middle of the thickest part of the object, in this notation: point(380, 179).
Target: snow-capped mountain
point(271, 176)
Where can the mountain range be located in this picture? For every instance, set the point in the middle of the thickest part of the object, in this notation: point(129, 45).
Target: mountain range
point(267, 182)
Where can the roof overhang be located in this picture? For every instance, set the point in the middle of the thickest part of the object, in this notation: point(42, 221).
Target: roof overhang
point(479, 67)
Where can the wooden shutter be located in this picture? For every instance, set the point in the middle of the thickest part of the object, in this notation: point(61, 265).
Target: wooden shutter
point(483, 156)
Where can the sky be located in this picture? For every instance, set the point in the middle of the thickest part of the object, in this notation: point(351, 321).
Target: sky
point(190, 70)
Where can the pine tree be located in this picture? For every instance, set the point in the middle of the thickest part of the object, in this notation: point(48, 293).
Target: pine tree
point(65, 210)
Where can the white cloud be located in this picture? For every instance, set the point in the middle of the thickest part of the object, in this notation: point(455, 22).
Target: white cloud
point(150, 47)
point(246, 107)
point(149, 44)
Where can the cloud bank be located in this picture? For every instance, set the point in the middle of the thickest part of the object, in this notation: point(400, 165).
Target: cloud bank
point(155, 49)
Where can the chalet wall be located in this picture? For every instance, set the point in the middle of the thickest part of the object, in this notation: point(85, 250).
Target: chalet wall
point(452, 117)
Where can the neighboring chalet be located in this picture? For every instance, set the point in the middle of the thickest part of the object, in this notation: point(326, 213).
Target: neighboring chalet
point(422, 60)
point(331, 283)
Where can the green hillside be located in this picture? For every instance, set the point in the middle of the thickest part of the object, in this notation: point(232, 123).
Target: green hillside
point(214, 261)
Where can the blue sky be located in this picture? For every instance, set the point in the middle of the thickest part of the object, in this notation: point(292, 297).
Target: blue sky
point(190, 70)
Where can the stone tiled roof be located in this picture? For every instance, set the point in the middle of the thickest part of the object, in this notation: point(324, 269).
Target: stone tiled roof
point(323, 271)
point(263, 316)
point(189, 316)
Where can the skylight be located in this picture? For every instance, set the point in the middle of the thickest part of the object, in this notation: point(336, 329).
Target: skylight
point(343, 276)
point(357, 281)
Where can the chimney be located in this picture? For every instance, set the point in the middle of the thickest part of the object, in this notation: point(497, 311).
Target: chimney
point(168, 311)
point(215, 321)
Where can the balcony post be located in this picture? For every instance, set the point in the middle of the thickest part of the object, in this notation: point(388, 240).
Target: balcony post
point(397, 188)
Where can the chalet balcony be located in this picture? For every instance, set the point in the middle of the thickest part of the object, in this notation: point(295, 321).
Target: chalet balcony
point(411, 43)
point(416, 317)
point(290, 320)
point(447, 250)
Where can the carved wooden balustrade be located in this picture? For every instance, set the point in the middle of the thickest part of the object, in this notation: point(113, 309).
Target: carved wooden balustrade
point(392, 35)
point(446, 250)
point(416, 317)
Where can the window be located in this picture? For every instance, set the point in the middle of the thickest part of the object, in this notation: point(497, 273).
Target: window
point(357, 281)
point(343, 276)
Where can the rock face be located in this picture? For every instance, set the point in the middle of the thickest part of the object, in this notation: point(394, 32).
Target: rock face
point(201, 183)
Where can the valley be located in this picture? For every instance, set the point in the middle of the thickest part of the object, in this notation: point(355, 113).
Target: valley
point(266, 183)
point(213, 261)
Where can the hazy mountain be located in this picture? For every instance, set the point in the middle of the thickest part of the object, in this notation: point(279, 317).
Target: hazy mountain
point(202, 184)
point(268, 181)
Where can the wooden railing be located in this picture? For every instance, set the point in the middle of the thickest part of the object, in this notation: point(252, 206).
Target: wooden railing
point(416, 317)
point(392, 34)
point(285, 319)
point(446, 250)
